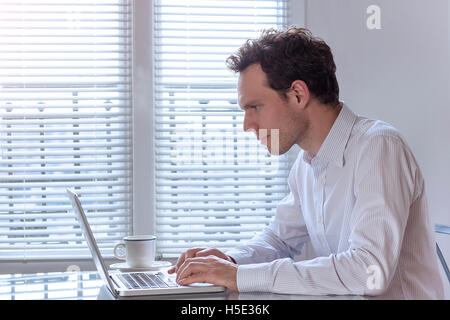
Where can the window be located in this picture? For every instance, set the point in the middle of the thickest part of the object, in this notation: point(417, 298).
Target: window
point(214, 184)
point(65, 121)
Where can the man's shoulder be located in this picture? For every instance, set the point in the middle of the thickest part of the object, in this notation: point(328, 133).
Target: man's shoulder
point(368, 130)
point(372, 138)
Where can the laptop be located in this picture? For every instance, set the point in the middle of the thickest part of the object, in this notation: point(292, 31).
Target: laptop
point(133, 283)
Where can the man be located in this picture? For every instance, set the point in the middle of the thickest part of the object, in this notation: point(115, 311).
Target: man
point(356, 191)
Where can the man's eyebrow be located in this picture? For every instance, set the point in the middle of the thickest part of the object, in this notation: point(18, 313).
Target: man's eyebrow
point(251, 103)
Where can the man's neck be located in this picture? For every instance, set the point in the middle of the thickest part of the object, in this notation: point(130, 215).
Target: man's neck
point(322, 118)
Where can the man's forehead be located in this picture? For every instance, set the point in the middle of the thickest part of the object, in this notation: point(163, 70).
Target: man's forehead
point(253, 72)
point(245, 94)
point(252, 83)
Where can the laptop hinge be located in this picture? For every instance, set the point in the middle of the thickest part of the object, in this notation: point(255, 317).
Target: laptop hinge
point(115, 291)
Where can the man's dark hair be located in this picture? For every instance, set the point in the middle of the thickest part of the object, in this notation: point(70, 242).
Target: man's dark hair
point(286, 56)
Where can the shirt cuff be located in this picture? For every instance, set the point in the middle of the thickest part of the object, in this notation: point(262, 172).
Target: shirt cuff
point(241, 256)
point(255, 277)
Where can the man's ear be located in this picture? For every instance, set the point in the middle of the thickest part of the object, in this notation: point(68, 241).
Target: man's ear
point(300, 93)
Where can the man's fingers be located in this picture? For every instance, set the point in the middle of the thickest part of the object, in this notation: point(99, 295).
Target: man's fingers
point(171, 270)
point(197, 252)
point(203, 253)
point(180, 261)
point(196, 278)
point(210, 269)
point(210, 252)
point(187, 267)
point(192, 267)
point(190, 253)
point(214, 252)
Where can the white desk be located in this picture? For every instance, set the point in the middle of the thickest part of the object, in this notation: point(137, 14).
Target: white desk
point(89, 286)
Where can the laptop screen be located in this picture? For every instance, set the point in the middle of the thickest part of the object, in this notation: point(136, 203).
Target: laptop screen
point(96, 255)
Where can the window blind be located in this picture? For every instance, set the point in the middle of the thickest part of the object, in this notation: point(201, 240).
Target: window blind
point(215, 185)
point(65, 122)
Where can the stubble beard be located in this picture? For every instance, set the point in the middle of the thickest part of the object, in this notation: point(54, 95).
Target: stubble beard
point(295, 132)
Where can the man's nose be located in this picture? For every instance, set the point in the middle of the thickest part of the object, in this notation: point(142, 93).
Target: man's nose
point(249, 125)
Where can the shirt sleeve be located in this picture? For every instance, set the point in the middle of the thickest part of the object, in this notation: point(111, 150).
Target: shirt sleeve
point(284, 237)
point(384, 188)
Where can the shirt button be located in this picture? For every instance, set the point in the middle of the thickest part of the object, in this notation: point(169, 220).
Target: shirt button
point(319, 220)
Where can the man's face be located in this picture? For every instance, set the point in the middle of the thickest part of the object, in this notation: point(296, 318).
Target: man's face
point(266, 111)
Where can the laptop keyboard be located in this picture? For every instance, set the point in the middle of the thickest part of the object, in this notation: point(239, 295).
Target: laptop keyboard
point(143, 280)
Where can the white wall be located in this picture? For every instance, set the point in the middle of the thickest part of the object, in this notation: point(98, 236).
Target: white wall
point(399, 74)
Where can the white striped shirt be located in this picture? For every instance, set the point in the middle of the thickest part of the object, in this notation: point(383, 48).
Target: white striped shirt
point(361, 202)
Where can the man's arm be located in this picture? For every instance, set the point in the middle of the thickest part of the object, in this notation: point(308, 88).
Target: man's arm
point(286, 234)
point(384, 189)
point(284, 237)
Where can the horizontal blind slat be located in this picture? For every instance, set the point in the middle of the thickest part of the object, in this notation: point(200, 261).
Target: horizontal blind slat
point(61, 215)
point(232, 214)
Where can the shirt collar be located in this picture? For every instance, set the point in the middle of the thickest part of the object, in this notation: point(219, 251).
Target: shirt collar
point(333, 147)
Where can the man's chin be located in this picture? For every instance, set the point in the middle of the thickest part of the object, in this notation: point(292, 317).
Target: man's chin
point(278, 151)
point(275, 151)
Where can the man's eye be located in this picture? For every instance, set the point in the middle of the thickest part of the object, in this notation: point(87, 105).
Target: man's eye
point(256, 108)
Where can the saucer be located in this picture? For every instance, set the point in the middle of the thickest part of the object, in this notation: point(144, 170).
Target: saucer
point(124, 267)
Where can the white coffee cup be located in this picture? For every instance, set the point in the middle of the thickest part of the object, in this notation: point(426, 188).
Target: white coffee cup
point(139, 250)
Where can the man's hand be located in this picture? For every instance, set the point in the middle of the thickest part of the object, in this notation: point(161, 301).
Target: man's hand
point(198, 252)
point(206, 265)
point(210, 269)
